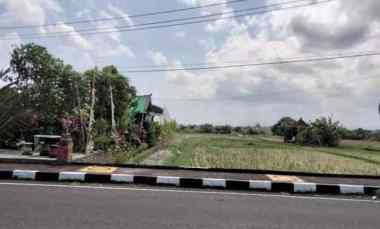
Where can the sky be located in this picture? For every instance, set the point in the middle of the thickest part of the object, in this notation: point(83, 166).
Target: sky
point(346, 89)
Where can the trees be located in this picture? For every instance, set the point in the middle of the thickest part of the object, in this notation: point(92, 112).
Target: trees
point(282, 126)
point(321, 132)
point(45, 83)
point(111, 94)
point(61, 99)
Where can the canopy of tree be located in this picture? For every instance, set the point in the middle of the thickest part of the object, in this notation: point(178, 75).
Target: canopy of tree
point(59, 98)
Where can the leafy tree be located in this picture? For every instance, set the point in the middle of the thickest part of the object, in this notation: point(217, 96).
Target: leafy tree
point(45, 82)
point(321, 132)
point(206, 128)
point(282, 126)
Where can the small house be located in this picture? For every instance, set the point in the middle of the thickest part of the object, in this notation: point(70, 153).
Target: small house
point(143, 112)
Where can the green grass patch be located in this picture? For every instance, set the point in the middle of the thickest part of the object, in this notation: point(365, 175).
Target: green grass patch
point(269, 153)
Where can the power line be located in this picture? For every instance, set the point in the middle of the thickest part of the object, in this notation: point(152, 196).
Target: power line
point(152, 67)
point(256, 96)
point(143, 26)
point(121, 17)
point(282, 62)
point(171, 20)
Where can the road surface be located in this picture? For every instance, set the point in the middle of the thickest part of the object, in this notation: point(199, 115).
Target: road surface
point(30, 205)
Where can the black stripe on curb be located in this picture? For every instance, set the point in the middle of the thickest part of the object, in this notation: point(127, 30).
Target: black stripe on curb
point(6, 174)
point(191, 183)
point(328, 189)
point(368, 190)
point(197, 182)
point(237, 184)
point(46, 176)
point(97, 178)
point(145, 180)
point(160, 167)
point(282, 187)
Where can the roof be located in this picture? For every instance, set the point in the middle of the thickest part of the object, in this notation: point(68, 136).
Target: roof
point(142, 103)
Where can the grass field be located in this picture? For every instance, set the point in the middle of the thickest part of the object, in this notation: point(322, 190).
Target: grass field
point(269, 153)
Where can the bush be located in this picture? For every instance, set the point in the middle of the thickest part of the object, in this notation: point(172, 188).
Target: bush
point(165, 131)
point(103, 142)
point(222, 129)
point(152, 135)
point(206, 128)
point(282, 126)
point(321, 132)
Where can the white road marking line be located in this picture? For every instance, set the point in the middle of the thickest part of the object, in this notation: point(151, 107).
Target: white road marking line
point(187, 191)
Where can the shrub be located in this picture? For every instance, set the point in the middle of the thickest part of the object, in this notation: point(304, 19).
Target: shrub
point(321, 132)
point(282, 126)
point(103, 142)
point(152, 135)
point(206, 128)
point(238, 129)
point(165, 131)
point(222, 129)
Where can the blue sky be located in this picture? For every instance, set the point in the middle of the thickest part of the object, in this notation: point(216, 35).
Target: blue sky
point(235, 96)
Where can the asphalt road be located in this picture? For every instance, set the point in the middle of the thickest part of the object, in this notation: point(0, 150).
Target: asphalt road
point(31, 206)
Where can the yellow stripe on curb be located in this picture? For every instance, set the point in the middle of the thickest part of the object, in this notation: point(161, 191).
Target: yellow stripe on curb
point(98, 169)
point(281, 178)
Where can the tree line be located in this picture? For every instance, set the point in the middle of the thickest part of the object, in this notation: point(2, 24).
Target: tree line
point(223, 129)
point(43, 95)
point(320, 132)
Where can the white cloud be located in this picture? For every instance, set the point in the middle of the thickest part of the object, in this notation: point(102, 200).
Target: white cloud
point(180, 34)
point(120, 13)
point(307, 89)
point(75, 39)
point(218, 25)
point(158, 58)
point(29, 12)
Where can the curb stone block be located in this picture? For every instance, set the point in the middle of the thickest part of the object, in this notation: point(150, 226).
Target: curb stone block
point(305, 187)
point(351, 189)
point(214, 183)
point(262, 185)
point(24, 174)
point(71, 176)
point(122, 178)
point(168, 180)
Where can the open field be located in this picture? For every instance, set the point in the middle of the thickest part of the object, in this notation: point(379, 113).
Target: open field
point(269, 153)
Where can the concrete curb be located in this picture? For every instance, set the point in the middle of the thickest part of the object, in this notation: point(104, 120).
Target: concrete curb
point(195, 169)
point(259, 185)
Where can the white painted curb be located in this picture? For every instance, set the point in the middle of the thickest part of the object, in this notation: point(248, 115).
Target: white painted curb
point(71, 176)
point(351, 189)
point(24, 174)
point(305, 187)
point(168, 180)
point(122, 178)
point(262, 185)
point(210, 182)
